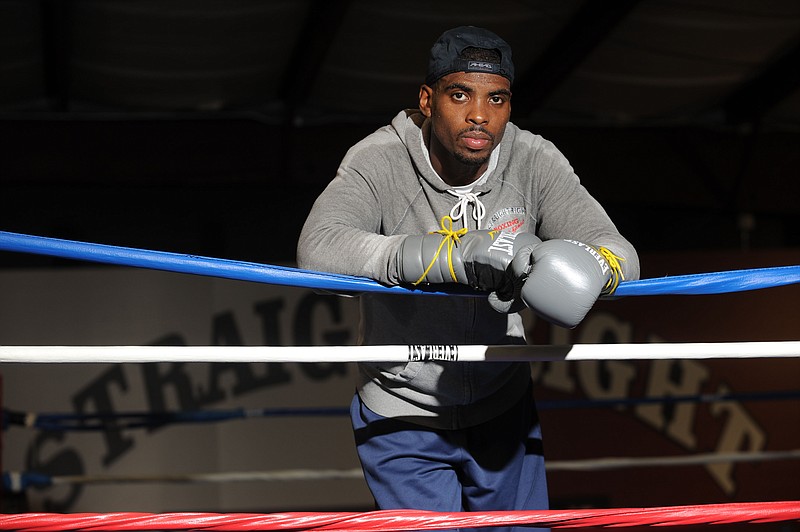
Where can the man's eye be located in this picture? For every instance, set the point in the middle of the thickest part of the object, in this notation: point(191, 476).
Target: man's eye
point(459, 96)
point(496, 99)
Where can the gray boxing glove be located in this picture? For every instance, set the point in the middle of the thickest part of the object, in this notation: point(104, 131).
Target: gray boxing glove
point(479, 259)
point(507, 296)
point(564, 278)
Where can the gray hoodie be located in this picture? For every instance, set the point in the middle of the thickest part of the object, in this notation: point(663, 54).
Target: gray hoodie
point(386, 189)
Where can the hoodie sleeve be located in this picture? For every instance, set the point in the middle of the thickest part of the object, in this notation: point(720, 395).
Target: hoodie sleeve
point(342, 233)
point(567, 210)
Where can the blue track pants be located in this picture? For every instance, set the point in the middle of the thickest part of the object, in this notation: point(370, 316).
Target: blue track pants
point(498, 465)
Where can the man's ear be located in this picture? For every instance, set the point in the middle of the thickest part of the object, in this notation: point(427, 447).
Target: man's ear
point(425, 98)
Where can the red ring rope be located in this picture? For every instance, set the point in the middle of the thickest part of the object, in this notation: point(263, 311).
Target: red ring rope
point(398, 520)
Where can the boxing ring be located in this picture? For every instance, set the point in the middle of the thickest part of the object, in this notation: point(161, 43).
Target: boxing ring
point(398, 520)
point(705, 284)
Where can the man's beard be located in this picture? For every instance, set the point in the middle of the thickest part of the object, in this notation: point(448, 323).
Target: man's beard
point(471, 161)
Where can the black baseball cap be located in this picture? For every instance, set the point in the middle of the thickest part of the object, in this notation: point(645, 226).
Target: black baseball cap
point(446, 51)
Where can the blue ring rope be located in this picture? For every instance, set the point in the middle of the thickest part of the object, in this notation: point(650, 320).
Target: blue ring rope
point(132, 420)
point(695, 284)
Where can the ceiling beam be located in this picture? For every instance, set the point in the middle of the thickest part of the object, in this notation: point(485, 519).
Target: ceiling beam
point(760, 94)
point(590, 25)
point(56, 51)
point(315, 39)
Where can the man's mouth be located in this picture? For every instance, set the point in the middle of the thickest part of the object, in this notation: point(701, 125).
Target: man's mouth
point(476, 143)
point(476, 140)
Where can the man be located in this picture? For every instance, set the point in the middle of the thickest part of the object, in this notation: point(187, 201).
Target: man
point(455, 193)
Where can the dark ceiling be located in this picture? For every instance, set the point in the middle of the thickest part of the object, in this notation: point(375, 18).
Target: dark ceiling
point(209, 126)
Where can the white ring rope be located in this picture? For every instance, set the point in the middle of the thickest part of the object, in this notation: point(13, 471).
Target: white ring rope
point(601, 464)
point(397, 353)
point(231, 476)
point(593, 464)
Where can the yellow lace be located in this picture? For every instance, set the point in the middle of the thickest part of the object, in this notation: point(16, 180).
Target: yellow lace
point(450, 239)
point(616, 270)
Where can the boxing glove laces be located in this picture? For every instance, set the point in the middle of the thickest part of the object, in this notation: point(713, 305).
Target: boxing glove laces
point(479, 258)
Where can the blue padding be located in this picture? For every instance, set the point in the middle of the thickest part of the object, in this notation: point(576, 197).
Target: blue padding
point(193, 264)
point(712, 283)
point(697, 284)
point(25, 481)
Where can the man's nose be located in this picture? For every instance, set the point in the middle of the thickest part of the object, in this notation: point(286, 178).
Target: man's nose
point(477, 113)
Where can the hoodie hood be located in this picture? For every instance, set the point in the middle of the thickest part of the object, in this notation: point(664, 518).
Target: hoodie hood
point(411, 124)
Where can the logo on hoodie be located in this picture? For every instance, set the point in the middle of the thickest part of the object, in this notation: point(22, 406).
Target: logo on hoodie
point(509, 219)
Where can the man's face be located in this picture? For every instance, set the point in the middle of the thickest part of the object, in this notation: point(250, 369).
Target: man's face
point(469, 112)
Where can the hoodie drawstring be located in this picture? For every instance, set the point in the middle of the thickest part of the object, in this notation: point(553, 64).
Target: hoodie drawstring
point(459, 210)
